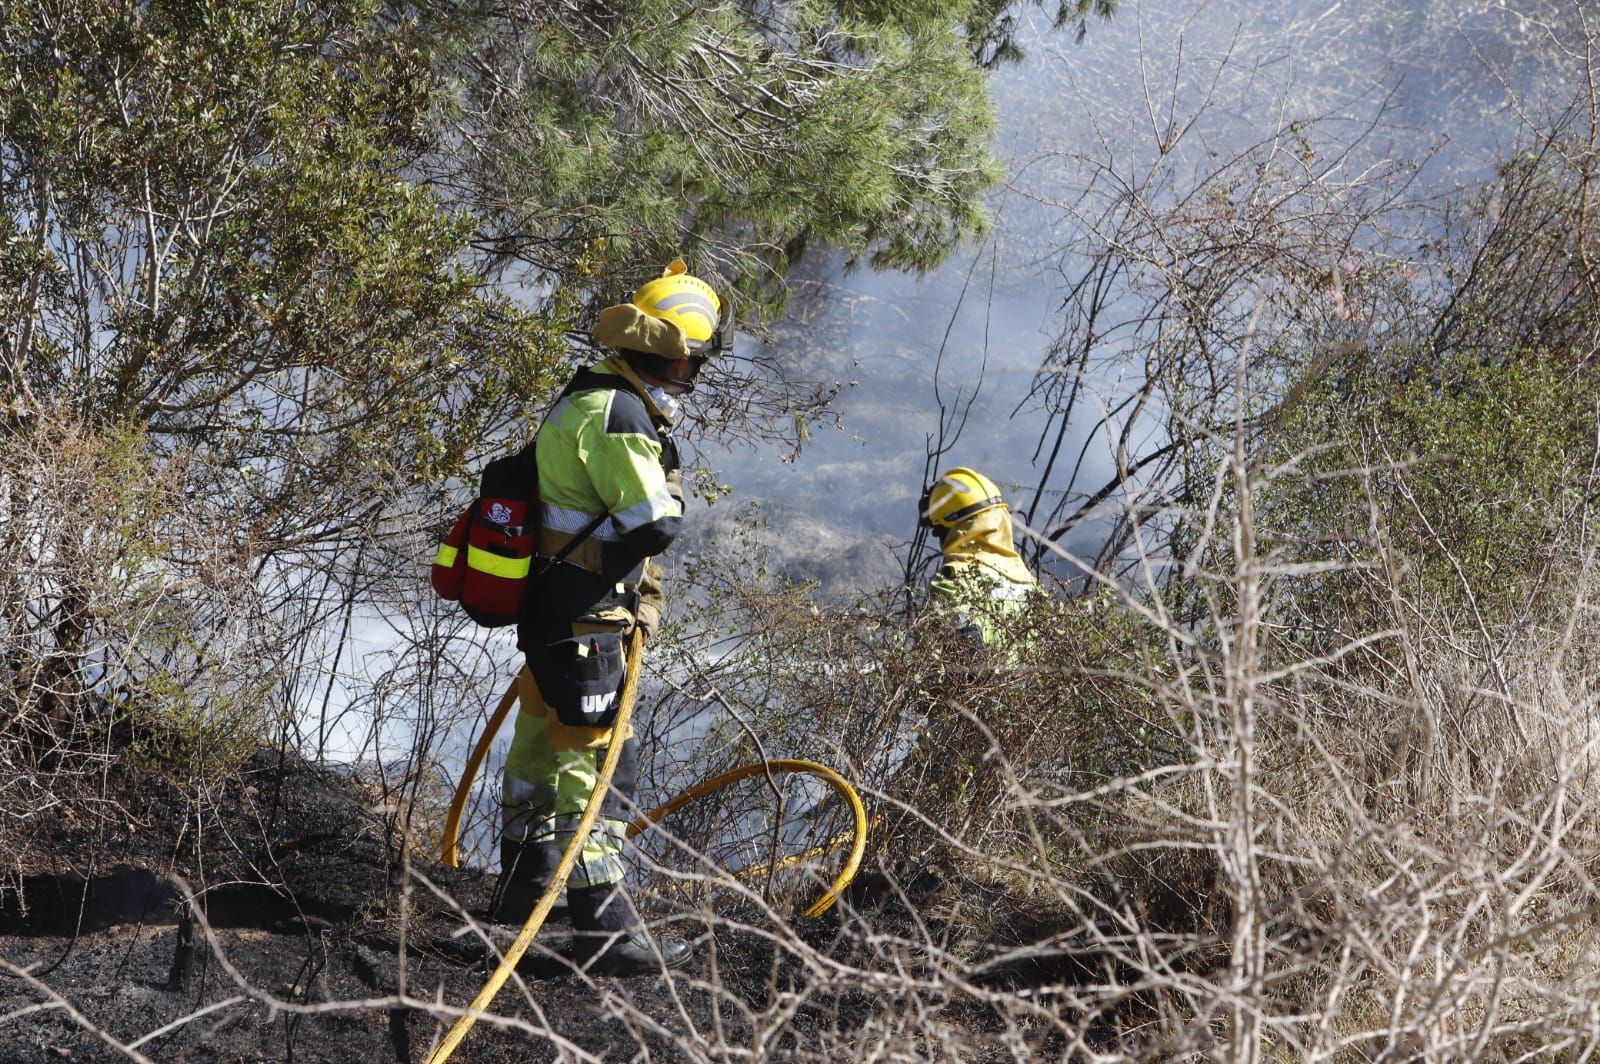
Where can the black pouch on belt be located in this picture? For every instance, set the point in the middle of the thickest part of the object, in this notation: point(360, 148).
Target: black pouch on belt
point(581, 677)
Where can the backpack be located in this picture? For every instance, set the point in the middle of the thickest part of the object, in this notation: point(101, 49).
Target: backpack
point(486, 561)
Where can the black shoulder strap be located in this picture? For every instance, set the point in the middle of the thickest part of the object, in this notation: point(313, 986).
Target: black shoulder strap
point(516, 476)
point(572, 544)
point(511, 476)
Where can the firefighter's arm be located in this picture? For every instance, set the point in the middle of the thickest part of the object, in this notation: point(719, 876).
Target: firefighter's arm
point(624, 465)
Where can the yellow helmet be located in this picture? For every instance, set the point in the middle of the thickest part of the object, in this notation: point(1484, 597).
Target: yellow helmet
point(959, 494)
point(679, 297)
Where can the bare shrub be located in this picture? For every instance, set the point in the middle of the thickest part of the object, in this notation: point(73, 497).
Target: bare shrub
point(130, 627)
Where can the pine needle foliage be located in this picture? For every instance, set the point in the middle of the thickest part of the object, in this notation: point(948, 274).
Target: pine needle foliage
point(598, 134)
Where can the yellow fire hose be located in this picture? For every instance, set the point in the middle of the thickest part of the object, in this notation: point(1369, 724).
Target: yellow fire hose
point(783, 764)
point(558, 881)
point(591, 813)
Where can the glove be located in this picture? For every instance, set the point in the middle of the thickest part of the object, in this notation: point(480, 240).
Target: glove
point(647, 620)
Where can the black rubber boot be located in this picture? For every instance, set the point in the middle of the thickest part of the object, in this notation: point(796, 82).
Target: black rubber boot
point(525, 870)
point(609, 939)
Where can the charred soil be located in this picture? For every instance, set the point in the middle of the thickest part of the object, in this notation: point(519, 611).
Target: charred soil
point(281, 916)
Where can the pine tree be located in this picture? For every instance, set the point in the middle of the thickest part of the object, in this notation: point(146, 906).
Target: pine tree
point(598, 138)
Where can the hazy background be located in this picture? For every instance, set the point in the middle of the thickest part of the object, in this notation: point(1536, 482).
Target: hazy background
point(1425, 84)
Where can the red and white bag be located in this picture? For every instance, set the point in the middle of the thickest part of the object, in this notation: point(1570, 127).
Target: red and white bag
point(485, 560)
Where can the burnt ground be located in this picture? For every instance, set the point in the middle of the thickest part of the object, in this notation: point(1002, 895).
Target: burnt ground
point(313, 933)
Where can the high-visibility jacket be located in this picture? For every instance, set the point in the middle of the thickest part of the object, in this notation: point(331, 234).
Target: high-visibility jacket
point(604, 449)
point(982, 579)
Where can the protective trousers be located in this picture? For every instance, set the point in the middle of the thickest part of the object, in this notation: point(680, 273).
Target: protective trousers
point(546, 785)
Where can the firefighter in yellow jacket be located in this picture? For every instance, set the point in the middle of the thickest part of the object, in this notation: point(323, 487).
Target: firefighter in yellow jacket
point(608, 477)
point(982, 579)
